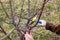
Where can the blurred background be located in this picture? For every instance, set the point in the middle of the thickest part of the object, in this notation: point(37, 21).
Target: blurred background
point(51, 13)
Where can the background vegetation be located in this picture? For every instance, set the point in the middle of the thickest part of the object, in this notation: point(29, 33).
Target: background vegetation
point(51, 13)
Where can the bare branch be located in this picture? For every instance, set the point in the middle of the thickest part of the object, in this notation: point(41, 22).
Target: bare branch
point(21, 12)
point(34, 14)
point(12, 10)
point(24, 18)
point(22, 4)
point(8, 22)
point(4, 9)
point(41, 11)
point(15, 28)
point(28, 27)
point(35, 2)
point(22, 31)
point(28, 12)
point(28, 8)
point(5, 32)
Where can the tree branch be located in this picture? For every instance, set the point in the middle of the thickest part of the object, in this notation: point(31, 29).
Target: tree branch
point(35, 3)
point(4, 9)
point(41, 11)
point(12, 10)
point(5, 32)
point(21, 12)
point(28, 12)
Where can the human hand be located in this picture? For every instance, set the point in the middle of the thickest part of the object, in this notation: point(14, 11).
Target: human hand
point(28, 36)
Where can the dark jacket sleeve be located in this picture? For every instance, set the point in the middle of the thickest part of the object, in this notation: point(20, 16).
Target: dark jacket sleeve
point(53, 28)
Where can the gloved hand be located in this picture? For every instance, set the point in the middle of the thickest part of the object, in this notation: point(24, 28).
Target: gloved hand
point(41, 23)
point(28, 36)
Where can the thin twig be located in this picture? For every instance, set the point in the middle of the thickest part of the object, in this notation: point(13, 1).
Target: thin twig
point(28, 8)
point(35, 3)
point(21, 12)
point(4, 9)
point(28, 12)
point(5, 32)
point(12, 10)
point(41, 11)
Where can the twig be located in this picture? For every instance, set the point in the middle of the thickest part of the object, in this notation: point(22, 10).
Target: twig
point(5, 32)
point(4, 9)
point(28, 27)
point(8, 22)
point(21, 12)
point(35, 3)
point(28, 8)
point(15, 28)
point(12, 10)
point(28, 12)
point(41, 11)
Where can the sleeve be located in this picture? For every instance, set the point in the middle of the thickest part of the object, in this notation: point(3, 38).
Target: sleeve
point(53, 28)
